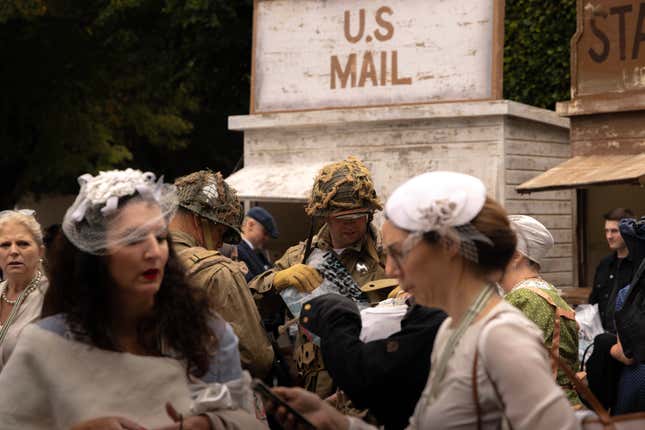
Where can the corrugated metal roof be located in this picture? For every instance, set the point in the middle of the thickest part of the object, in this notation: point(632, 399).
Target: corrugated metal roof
point(275, 182)
point(586, 170)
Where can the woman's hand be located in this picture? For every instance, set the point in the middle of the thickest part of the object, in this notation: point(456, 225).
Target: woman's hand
point(319, 413)
point(108, 423)
point(616, 351)
point(197, 422)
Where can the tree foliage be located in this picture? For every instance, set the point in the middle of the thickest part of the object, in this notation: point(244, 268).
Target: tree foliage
point(97, 84)
point(536, 50)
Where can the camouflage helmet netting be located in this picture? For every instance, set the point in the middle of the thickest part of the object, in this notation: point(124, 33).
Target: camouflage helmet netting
point(342, 185)
point(208, 195)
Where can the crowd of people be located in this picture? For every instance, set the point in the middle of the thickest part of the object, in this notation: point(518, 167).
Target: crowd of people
point(153, 305)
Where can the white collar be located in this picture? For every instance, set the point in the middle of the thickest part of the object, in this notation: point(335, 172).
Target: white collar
point(248, 243)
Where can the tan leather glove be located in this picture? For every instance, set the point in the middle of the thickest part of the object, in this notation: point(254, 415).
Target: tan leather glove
point(304, 278)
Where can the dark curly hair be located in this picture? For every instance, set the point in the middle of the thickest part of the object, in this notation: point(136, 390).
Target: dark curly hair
point(80, 287)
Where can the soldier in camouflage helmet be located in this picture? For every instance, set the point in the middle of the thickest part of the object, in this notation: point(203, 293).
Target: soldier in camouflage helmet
point(207, 194)
point(341, 187)
point(210, 213)
point(343, 196)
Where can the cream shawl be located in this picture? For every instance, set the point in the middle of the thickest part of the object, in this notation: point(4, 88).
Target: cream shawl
point(53, 382)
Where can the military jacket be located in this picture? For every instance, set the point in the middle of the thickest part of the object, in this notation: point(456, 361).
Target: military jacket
point(224, 282)
point(363, 261)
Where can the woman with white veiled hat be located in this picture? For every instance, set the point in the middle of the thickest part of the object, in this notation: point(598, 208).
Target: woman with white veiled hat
point(448, 244)
point(125, 340)
point(538, 300)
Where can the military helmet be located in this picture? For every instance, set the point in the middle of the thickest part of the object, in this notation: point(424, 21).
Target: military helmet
point(206, 194)
point(340, 186)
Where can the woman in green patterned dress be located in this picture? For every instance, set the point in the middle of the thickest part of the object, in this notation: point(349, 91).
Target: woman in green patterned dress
point(539, 300)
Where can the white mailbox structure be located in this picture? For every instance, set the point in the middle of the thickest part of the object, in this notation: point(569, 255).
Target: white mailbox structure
point(408, 86)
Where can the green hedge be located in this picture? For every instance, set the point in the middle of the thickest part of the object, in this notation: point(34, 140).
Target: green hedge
point(536, 51)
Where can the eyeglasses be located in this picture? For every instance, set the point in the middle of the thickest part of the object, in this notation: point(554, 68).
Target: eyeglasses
point(399, 250)
point(351, 216)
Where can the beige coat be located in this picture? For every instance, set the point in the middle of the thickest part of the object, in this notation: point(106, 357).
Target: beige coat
point(230, 297)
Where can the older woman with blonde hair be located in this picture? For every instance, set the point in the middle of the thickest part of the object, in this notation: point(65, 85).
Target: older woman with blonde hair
point(448, 244)
point(24, 285)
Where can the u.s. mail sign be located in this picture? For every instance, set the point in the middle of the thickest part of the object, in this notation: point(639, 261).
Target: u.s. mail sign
point(315, 54)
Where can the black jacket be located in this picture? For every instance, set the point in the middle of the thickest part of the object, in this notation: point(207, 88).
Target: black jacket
point(255, 260)
point(387, 376)
point(612, 274)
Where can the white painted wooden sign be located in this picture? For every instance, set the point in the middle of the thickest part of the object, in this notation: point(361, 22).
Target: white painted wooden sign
point(313, 54)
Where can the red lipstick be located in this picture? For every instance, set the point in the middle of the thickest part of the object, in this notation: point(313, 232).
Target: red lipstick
point(151, 274)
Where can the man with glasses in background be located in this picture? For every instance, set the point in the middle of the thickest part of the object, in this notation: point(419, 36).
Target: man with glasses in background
point(344, 199)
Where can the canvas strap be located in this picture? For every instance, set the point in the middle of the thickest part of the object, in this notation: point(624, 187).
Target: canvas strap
point(560, 313)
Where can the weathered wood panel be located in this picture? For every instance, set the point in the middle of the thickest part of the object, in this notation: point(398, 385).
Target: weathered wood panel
point(531, 162)
point(615, 133)
point(562, 250)
point(556, 265)
point(539, 207)
point(312, 54)
point(529, 152)
point(528, 147)
point(512, 194)
point(516, 177)
point(559, 279)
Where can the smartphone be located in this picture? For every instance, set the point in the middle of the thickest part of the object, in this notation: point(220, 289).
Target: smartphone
point(267, 396)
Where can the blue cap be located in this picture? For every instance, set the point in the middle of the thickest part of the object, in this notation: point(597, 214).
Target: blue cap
point(263, 216)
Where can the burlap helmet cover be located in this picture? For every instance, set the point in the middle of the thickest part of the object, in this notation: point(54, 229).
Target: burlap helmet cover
point(342, 185)
point(208, 195)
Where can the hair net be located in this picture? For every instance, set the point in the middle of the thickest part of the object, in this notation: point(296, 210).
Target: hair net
point(443, 202)
point(100, 200)
point(533, 239)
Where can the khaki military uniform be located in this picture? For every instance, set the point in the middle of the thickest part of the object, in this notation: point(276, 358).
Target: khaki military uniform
point(363, 261)
point(224, 281)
